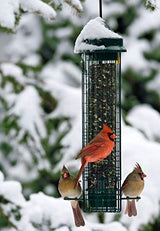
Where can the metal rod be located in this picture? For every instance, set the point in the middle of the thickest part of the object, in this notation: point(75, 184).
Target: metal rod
point(130, 198)
point(72, 199)
point(123, 198)
point(100, 8)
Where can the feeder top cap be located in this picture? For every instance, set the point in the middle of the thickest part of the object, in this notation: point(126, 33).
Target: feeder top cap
point(96, 35)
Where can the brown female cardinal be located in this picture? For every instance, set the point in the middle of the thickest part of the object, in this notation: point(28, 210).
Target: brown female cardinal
point(97, 149)
point(67, 189)
point(132, 187)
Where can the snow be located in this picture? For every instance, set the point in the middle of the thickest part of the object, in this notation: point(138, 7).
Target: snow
point(109, 227)
point(137, 148)
point(10, 69)
point(41, 210)
point(26, 41)
point(8, 229)
point(32, 60)
point(32, 113)
point(1, 177)
point(30, 121)
point(12, 191)
point(63, 229)
point(39, 7)
point(23, 44)
point(51, 209)
point(146, 119)
point(145, 21)
point(62, 74)
point(152, 2)
point(76, 4)
point(63, 32)
point(11, 9)
point(135, 50)
point(94, 29)
point(140, 140)
point(68, 96)
point(152, 19)
point(8, 11)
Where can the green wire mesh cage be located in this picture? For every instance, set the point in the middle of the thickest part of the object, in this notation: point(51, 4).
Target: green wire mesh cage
point(101, 104)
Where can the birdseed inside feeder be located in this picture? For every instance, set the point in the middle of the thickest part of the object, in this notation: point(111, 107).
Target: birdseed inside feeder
point(100, 49)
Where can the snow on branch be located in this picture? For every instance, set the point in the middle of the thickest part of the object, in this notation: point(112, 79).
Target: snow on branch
point(151, 4)
point(75, 4)
point(11, 10)
point(8, 13)
point(38, 213)
point(38, 7)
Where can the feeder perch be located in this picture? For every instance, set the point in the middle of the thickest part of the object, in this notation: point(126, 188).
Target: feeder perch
point(100, 49)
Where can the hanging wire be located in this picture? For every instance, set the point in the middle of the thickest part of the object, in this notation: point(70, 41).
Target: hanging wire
point(100, 8)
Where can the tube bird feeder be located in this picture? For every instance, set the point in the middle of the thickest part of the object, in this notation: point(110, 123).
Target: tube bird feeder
point(100, 49)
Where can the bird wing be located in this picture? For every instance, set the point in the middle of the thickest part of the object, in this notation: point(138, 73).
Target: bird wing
point(124, 185)
point(95, 144)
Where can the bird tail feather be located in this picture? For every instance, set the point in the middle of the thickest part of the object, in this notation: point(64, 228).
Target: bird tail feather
point(134, 210)
point(131, 208)
point(78, 218)
point(80, 172)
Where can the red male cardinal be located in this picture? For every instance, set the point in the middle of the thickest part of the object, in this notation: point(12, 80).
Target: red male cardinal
point(97, 149)
point(132, 187)
point(67, 189)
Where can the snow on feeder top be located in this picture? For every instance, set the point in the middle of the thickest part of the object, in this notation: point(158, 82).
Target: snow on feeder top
point(101, 101)
point(96, 36)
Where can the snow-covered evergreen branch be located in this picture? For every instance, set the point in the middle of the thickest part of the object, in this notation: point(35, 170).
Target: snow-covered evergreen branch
point(11, 10)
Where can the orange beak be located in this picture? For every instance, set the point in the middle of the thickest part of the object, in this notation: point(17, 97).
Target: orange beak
point(144, 175)
point(113, 136)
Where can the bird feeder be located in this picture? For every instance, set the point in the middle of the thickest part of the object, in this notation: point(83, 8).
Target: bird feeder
point(100, 50)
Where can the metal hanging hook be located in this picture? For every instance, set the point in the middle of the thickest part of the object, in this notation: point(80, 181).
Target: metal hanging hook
point(100, 8)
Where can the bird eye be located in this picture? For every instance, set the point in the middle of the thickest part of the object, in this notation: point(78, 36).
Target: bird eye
point(142, 175)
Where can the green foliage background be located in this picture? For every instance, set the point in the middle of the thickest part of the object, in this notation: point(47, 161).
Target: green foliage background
point(134, 85)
